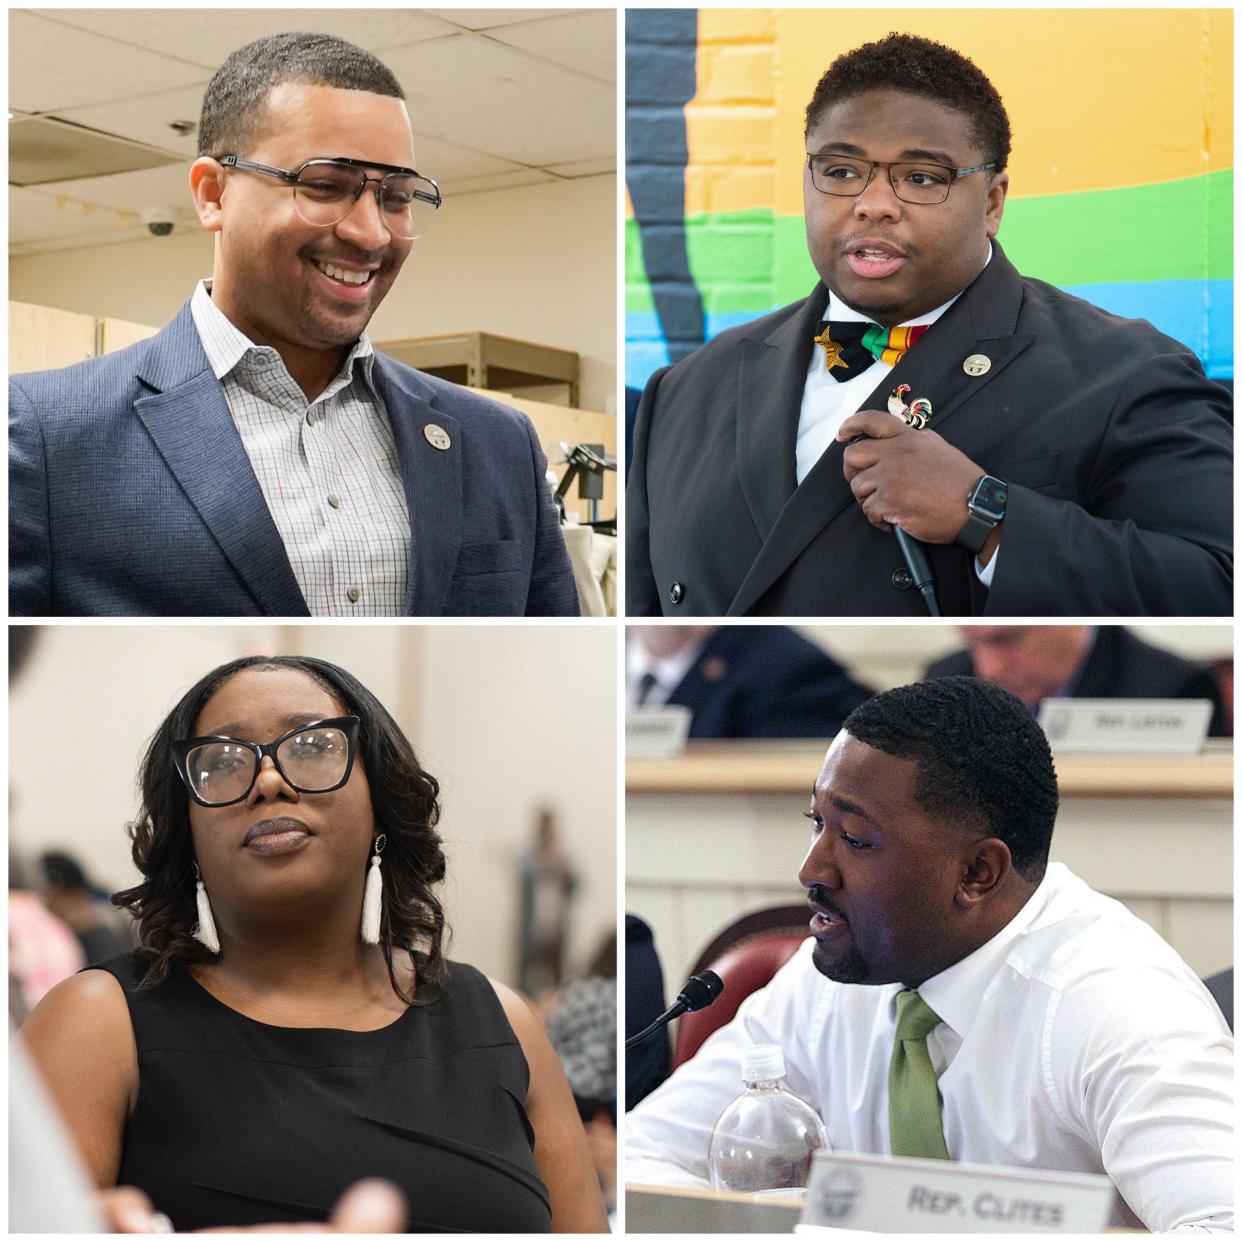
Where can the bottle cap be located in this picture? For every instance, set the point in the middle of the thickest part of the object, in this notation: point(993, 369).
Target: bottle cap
point(763, 1063)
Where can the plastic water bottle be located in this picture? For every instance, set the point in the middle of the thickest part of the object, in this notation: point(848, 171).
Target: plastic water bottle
point(766, 1138)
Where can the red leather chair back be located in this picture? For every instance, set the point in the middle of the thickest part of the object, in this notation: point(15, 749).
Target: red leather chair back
point(744, 968)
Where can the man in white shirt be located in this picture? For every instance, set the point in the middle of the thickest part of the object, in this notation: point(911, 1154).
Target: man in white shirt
point(1067, 1034)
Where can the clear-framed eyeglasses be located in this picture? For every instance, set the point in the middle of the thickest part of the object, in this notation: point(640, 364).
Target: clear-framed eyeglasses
point(913, 181)
point(313, 758)
point(325, 191)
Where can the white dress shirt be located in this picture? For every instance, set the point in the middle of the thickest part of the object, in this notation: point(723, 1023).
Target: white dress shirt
point(1075, 1039)
point(327, 469)
point(669, 672)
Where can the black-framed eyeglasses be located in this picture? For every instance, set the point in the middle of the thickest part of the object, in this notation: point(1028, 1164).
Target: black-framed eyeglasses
point(313, 758)
point(913, 181)
point(325, 191)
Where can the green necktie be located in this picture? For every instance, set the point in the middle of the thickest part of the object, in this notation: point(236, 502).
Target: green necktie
point(914, 1124)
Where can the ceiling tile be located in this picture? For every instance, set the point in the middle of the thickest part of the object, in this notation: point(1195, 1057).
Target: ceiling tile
point(54, 66)
point(146, 119)
point(506, 181)
point(586, 40)
point(200, 36)
point(584, 168)
point(482, 19)
point(483, 95)
point(164, 188)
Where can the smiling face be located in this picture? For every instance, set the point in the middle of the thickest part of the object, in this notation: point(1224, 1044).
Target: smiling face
point(278, 847)
point(882, 875)
point(269, 276)
point(890, 259)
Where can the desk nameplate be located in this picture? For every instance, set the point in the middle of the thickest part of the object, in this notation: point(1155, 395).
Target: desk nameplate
point(887, 1194)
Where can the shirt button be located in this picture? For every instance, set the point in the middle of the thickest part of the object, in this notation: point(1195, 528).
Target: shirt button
point(334, 500)
point(902, 580)
point(311, 418)
point(353, 593)
point(676, 593)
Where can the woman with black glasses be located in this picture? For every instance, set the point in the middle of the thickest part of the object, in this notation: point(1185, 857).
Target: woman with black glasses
point(289, 1024)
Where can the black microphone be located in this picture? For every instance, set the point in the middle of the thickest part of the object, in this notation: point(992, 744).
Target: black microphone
point(699, 992)
point(915, 558)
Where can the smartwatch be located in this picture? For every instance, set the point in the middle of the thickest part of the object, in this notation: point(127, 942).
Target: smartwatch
point(985, 506)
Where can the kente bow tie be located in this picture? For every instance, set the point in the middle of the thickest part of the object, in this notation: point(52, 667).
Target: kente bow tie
point(850, 348)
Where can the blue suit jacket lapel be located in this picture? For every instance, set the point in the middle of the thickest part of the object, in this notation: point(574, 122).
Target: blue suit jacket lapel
point(433, 484)
point(188, 419)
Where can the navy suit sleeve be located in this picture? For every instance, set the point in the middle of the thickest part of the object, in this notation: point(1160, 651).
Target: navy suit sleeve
point(1154, 537)
point(642, 595)
point(553, 591)
point(30, 550)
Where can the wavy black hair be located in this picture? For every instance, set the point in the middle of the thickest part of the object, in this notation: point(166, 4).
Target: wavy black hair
point(918, 66)
point(981, 757)
point(404, 801)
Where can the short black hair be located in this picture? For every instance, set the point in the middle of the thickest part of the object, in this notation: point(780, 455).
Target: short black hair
point(918, 66)
point(404, 801)
point(981, 756)
point(235, 102)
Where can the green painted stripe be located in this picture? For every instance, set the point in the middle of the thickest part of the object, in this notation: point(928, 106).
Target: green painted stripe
point(1177, 230)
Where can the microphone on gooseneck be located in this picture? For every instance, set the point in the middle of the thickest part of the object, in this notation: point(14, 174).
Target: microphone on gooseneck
point(699, 992)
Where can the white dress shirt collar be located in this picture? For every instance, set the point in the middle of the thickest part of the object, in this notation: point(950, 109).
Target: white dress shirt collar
point(227, 347)
point(954, 994)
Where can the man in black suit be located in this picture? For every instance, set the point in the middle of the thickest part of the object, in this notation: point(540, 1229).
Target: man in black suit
point(1035, 662)
point(741, 680)
point(1074, 463)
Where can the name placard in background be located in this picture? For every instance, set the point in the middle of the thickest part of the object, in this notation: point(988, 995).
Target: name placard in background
point(888, 1194)
point(1126, 726)
point(656, 732)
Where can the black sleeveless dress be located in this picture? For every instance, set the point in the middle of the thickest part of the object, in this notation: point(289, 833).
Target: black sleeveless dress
point(241, 1123)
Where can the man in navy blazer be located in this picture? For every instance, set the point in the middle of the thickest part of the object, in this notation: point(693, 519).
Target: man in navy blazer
point(256, 457)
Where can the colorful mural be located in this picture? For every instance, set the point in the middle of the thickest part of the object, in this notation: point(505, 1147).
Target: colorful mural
point(1121, 180)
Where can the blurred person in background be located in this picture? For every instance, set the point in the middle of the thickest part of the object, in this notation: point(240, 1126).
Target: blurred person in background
point(71, 896)
point(740, 681)
point(43, 950)
point(581, 1017)
point(547, 883)
point(289, 1024)
point(1037, 662)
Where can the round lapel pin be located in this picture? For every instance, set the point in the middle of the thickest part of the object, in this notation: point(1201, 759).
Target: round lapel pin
point(437, 437)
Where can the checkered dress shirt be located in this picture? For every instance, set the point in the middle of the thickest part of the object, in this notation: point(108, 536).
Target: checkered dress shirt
point(328, 469)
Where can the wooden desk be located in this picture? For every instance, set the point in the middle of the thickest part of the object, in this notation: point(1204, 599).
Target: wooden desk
point(718, 832)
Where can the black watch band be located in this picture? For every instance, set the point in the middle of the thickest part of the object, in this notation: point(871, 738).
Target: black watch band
point(985, 510)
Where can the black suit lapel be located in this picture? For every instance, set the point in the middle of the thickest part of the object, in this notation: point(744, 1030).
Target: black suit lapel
point(981, 321)
point(771, 379)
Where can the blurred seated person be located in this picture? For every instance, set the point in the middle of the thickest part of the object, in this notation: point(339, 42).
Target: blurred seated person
point(71, 896)
point(43, 950)
point(289, 1024)
point(740, 680)
point(1037, 662)
point(581, 1019)
point(646, 1064)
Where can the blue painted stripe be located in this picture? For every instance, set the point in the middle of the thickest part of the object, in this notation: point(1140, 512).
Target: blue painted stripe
point(1198, 313)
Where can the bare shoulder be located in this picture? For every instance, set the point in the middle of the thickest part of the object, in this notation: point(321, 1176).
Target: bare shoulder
point(81, 1040)
point(518, 1010)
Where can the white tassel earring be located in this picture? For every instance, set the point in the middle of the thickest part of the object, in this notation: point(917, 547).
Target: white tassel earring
point(205, 932)
point(373, 895)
